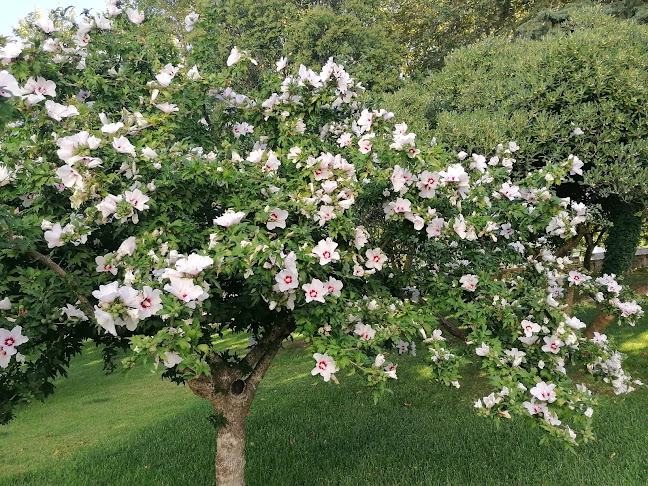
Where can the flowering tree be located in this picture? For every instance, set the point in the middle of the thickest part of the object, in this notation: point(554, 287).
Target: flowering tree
point(148, 205)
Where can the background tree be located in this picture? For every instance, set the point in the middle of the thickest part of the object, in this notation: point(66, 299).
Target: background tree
point(578, 90)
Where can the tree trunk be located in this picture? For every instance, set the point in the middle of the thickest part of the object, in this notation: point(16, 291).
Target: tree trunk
point(230, 442)
point(599, 324)
point(231, 388)
point(623, 239)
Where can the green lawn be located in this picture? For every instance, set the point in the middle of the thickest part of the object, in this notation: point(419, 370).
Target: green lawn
point(136, 429)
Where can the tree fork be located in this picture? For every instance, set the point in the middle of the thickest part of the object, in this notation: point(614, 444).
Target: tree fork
point(231, 394)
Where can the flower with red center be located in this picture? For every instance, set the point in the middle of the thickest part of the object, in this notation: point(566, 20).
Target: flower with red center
point(315, 291)
point(286, 280)
point(375, 258)
point(325, 366)
point(325, 250)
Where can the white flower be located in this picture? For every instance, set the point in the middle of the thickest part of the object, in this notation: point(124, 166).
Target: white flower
point(167, 108)
point(515, 355)
point(325, 366)
point(576, 165)
point(577, 278)
point(315, 291)
point(190, 21)
point(365, 331)
point(483, 350)
point(102, 266)
point(286, 280)
point(281, 63)
point(123, 146)
point(137, 199)
point(242, 128)
point(379, 361)
point(577, 131)
point(184, 289)
point(402, 346)
point(70, 311)
point(552, 344)
point(545, 392)
point(193, 264)
point(148, 302)
point(435, 227)
point(9, 340)
point(39, 86)
point(193, 74)
point(325, 250)
point(107, 293)
point(574, 322)
point(229, 218)
point(135, 16)
point(8, 85)
point(334, 286)
point(390, 371)
point(5, 304)
point(69, 176)
point(530, 327)
point(128, 247)
point(53, 236)
point(535, 408)
point(361, 237)
point(108, 205)
point(277, 219)
point(469, 282)
point(57, 112)
point(510, 191)
point(235, 56)
point(375, 259)
point(427, 183)
point(599, 338)
point(102, 22)
point(105, 320)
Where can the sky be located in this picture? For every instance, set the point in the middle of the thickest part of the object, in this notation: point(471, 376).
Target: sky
point(13, 10)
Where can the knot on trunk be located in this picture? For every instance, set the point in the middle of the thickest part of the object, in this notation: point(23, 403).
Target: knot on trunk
point(237, 387)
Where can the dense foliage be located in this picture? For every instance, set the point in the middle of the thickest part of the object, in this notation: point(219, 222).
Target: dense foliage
point(581, 89)
point(151, 203)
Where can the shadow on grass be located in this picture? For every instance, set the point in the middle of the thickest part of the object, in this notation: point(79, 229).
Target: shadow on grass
point(306, 432)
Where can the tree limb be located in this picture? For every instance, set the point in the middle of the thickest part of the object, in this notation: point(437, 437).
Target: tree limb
point(52, 265)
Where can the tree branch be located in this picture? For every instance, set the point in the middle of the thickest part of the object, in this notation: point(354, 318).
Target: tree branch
point(261, 356)
point(455, 331)
point(52, 265)
point(572, 243)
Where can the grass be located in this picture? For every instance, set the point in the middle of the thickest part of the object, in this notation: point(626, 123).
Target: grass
point(136, 429)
